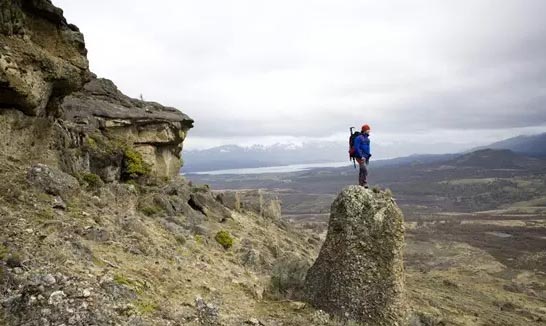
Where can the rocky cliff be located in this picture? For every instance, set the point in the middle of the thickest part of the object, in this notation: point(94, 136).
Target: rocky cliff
point(70, 118)
point(98, 228)
point(359, 272)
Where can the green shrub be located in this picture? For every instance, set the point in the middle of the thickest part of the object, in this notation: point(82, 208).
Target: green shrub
point(103, 149)
point(93, 181)
point(3, 252)
point(144, 307)
point(133, 164)
point(224, 239)
point(138, 286)
point(91, 143)
point(198, 239)
point(45, 214)
point(151, 210)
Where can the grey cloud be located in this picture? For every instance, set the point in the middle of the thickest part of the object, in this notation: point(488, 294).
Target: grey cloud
point(300, 68)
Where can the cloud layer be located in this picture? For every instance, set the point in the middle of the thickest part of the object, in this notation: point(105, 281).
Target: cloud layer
point(291, 68)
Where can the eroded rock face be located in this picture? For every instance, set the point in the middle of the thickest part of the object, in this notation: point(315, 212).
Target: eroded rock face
point(44, 73)
point(155, 131)
point(358, 274)
point(263, 203)
point(53, 181)
point(42, 57)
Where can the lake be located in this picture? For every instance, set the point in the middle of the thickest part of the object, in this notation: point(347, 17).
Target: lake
point(275, 169)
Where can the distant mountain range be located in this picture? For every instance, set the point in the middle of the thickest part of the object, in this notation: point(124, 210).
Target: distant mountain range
point(534, 145)
point(235, 157)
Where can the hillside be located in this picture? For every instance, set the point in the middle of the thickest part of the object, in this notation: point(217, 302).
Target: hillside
point(534, 145)
point(480, 180)
point(98, 227)
point(236, 157)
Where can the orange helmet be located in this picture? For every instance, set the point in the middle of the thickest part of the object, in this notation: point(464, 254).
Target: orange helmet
point(365, 128)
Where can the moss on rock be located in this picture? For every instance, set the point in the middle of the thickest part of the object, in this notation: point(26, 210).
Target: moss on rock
point(134, 165)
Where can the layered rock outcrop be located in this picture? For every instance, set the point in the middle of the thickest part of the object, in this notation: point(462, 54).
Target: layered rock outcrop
point(83, 124)
point(257, 201)
point(154, 131)
point(358, 274)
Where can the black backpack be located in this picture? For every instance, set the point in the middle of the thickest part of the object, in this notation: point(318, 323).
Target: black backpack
point(352, 138)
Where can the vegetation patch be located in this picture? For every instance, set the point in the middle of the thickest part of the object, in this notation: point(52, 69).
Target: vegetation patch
point(198, 239)
point(45, 214)
point(151, 210)
point(3, 252)
point(145, 307)
point(93, 181)
point(105, 151)
point(136, 285)
point(224, 238)
point(134, 165)
point(288, 277)
point(102, 148)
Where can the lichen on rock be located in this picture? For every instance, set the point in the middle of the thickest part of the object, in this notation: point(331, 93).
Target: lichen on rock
point(358, 274)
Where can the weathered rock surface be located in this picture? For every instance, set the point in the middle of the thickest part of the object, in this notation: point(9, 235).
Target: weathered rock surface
point(257, 201)
point(230, 199)
point(42, 57)
point(358, 274)
point(53, 181)
point(155, 131)
point(44, 73)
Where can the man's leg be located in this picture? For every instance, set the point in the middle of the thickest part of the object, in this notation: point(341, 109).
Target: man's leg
point(363, 175)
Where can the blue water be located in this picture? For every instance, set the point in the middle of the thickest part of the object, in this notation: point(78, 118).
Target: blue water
point(276, 169)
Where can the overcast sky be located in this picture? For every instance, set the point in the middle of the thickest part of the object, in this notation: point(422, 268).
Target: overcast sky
point(461, 72)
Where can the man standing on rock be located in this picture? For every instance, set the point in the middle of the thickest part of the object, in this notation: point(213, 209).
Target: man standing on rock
point(362, 154)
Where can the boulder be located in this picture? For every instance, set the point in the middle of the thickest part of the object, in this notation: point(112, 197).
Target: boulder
point(260, 202)
point(205, 203)
point(230, 199)
point(359, 272)
point(53, 181)
point(272, 209)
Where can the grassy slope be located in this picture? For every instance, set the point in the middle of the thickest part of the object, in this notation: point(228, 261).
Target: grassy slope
point(101, 239)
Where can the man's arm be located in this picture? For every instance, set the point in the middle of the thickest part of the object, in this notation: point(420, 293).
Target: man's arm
point(366, 148)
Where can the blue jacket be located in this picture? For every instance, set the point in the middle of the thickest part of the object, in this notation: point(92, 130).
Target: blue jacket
point(362, 147)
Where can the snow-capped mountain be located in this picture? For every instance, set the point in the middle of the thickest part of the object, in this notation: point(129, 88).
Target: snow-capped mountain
point(234, 156)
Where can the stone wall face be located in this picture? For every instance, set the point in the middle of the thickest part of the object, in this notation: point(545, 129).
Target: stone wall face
point(41, 58)
point(44, 73)
point(358, 274)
